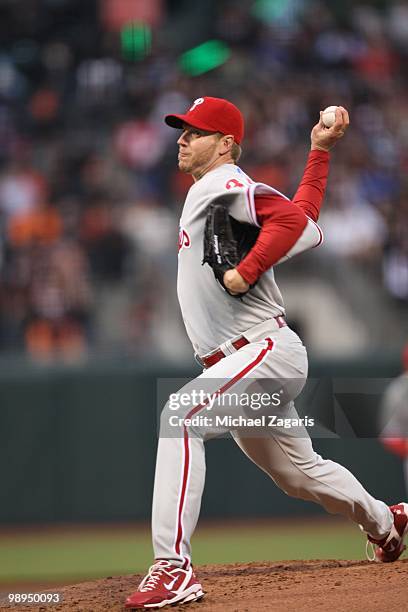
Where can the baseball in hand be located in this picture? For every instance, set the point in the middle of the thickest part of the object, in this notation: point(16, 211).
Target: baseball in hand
point(329, 116)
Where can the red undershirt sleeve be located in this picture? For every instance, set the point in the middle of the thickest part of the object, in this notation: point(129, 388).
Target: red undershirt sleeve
point(310, 193)
point(283, 221)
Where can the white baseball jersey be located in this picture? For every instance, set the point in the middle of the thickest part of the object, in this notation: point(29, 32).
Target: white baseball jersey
point(210, 314)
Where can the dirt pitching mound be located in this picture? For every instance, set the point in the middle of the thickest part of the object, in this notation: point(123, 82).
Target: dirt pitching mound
point(290, 586)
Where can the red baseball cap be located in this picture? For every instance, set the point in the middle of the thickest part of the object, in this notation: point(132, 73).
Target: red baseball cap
point(211, 115)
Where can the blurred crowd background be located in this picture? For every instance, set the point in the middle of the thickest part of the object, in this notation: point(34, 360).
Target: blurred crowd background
point(90, 194)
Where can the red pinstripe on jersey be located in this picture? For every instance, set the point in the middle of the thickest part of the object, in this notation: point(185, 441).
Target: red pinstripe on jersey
point(186, 443)
point(320, 233)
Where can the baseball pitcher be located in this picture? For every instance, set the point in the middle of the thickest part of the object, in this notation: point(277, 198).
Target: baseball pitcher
point(233, 231)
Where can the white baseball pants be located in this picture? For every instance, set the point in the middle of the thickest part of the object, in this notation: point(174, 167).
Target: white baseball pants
point(287, 457)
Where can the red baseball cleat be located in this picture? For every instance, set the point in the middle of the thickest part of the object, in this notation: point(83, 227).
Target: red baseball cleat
point(165, 584)
point(391, 548)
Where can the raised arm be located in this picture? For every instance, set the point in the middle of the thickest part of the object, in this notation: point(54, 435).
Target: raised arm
point(310, 193)
point(285, 226)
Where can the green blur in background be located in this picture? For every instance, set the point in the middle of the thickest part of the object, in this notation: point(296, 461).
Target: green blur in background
point(76, 555)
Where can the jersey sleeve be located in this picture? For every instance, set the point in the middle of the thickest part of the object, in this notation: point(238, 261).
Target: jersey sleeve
point(282, 227)
point(287, 227)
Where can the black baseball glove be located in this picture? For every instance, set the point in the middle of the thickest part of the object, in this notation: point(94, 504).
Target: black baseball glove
point(226, 241)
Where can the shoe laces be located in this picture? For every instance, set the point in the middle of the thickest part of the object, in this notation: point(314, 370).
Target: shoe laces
point(370, 551)
point(153, 576)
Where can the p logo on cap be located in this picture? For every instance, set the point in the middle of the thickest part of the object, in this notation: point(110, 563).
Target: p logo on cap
point(195, 103)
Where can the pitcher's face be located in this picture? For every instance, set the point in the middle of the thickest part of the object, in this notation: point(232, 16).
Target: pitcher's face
point(198, 150)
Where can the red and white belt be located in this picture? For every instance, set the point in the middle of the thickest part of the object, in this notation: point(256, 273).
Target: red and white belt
point(212, 358)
